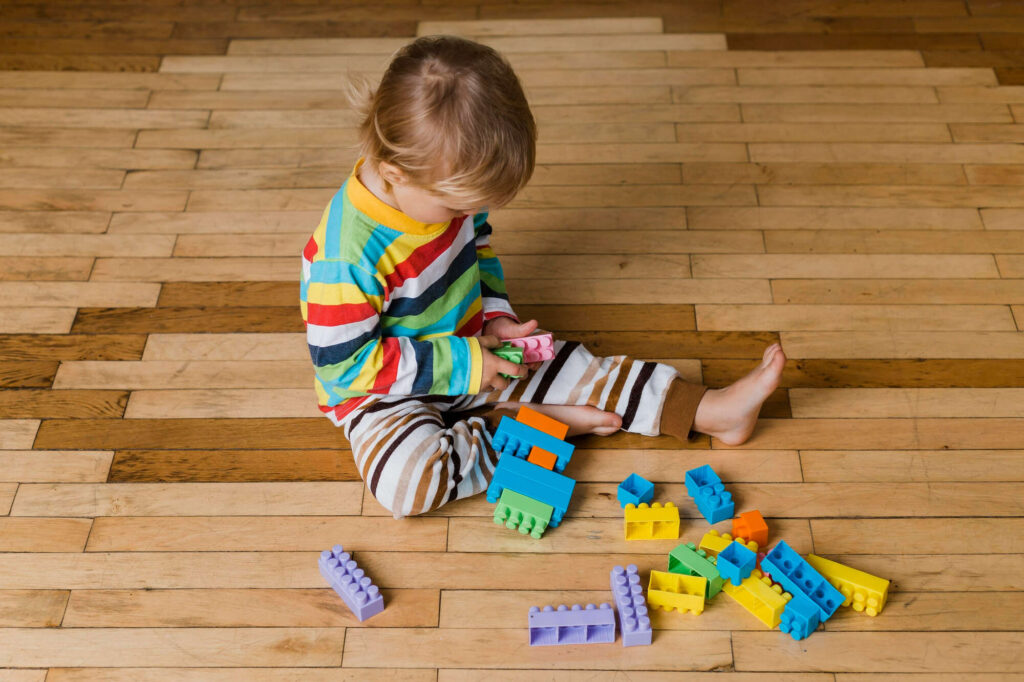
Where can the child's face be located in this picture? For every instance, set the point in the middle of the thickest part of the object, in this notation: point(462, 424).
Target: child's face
point(427, 207)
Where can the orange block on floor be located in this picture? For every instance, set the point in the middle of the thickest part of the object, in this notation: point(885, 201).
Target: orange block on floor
point(542, 457)
point(751, 526)
point(542, 422)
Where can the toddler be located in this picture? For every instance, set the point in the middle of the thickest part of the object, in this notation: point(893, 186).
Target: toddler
point(403, 297)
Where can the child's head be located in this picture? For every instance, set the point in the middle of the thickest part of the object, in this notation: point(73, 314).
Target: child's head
point(448, 129)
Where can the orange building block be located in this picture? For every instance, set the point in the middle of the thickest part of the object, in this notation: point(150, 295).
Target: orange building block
point(751, 526)
point(542, 457)
point(542, 422)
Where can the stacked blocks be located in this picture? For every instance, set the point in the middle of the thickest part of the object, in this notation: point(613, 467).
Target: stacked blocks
point(680, 592)
point(866, 592)
point(686, 559)
point(532, 481)
point(798, 578)
point(736, 562)
point(800, 618)
point(751, 525)
point(756, 594)
point(536, 348)
point(705, 487)
point(651, 523)
point(714, 542)
point(634, 490)
point(358, 592)
point(507, 351)
point(522, 512)
point(629, 598)
point(518, 439)
point(553, 428)
point(578, 625)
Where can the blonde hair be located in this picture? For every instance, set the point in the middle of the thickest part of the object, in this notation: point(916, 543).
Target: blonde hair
point(451, 114)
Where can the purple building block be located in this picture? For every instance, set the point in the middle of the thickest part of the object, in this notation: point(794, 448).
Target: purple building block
point(350, 582)
point(578, 625)
point(629, 598)
point(736, 562)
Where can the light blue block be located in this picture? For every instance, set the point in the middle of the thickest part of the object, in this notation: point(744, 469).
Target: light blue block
point(534, 481)
point(800, 617)
point(635, 490)
point(715, 503)
point(796, 576)
point(736, 562)
point(700, 477)
point(518, 439)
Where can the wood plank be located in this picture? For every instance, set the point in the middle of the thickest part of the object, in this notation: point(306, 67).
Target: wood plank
point(853, 41)
point(69, 466)
point(192, 269)
point(842, 266)
point(886, 153)
point(7, 492)
point(798, 94)
point(102, 118)
point(816, 113)
point(794, 58)
point(867, 195)
point(810, 403)
point(188, 319)
point(911, 465)
point(813, 174)
point(538, 27)
point(186, 499)
point(904, 241)
point(92, 200)
point(811, 132)
point(43, 535)
point(233, 466)
point(1011, 94)
point(63, 347)
point(897, 344)
point(22, 374)
point(36, 320)
point(50, 222)
point(214, 222)
point(869, 434)
point(32, 608)
point(63, 80)
point(81, 157)
point(187, 374)
point(58, 294)
point(44, 268)
point(470, 674)
point(219, 403)
point(17, 434)
point(1011, 266)
point(245, 347)
point(25, 136)
point(41, 404)
point(866, 76)
point(933, 291)
point(84, 179)
point(38, 96)
point(883, 373)
point(995, 175)
point(171, 674)
point(830, 218)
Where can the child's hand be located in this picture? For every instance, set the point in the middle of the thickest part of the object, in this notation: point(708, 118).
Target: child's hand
point(493, 366)
point(507, 328)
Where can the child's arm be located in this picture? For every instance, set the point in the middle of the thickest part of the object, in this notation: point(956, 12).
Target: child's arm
point(492, 279)
point(341, 305)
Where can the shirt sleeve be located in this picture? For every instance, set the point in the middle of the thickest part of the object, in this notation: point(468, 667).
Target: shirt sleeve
point(341, 306)
point(492, 280)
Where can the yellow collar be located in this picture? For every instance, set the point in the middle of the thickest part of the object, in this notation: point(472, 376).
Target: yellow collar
point(367, 202)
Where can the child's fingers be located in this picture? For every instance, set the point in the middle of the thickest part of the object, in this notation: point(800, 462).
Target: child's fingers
point(534, 366)
point(512, 369)
point(489, 341)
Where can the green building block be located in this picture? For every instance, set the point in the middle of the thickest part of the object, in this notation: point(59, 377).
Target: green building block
point(525, 513)
point(511, 353)
point(686, 559)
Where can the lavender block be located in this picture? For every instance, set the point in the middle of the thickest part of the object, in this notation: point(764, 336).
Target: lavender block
point(358, 592)
point(578, 625)
point(629, 598)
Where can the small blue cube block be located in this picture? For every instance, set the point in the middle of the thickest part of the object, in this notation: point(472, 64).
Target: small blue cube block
point(634, 490)
point(715, 503)
point(700, 477)
point(736, 562)
point(800, 617)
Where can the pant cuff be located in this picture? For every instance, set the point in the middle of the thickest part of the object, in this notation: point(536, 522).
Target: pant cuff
point(680, 408)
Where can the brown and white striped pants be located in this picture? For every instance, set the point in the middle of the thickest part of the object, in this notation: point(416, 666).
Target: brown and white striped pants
point(417, 453)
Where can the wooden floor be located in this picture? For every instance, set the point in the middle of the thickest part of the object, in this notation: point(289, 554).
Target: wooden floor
point(846, 177)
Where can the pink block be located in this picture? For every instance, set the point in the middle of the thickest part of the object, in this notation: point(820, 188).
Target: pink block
point(536, 348)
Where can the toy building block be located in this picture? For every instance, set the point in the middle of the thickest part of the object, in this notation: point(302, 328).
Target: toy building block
point(800, 618)
point(674, 591)
point(634, 490)
point(629, 598)
point(866, 592)
point(751, 525)
point(536, 348)
point(714, 542)
point(651, 523)
point(358, 592)
point(760, 558)
point(686, 559)
point(542, 458)
point(578, 625)
point(797, 577)
point(533, 481)
point(507, 351)
point(516, 510)
point(705, 487)
point(702, 476)
point(542, 422)
point(736, 562)
point(757, 594)
point(519, 439)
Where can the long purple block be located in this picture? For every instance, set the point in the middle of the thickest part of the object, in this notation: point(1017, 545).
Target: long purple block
point(578, 625)
point(350, 582)
point(629, 598)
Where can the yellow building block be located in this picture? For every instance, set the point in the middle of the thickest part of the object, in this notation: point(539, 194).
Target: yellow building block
point(865, 592)
point(714, 542)
point(651, 522)
point(680, 592)
point(758, 595)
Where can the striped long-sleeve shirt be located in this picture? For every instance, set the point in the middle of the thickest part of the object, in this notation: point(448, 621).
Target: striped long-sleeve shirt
point(392, 305)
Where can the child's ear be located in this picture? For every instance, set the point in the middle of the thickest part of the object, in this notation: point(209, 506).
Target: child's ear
point(392, 174)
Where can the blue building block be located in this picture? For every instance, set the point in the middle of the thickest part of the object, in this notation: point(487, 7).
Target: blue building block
point(578, 625)
point(513, 437)
point(629, 598)
point(358, 592)
point(534, 481)
point(705, 487)
point(797, 576)
point(736, 562)
point(800, 617)
point(634, 490)
point(700, 477)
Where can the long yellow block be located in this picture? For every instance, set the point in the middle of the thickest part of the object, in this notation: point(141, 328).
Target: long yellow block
point(714, 542)
point(759, 596)
point(651, 523)
point(865, 592)
point(680, 592)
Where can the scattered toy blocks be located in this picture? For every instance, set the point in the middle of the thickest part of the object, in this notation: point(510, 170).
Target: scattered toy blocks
point(800, 618)
point(798, 578)
point(651, 523)
point(705, 487)
point(675, 591)
point(714, 542)
point(686, 559)
point(542, 422)
point(516, 510)
point(507, 351)
point(358, 592)
point(751, 525)
point(542, 458)
point(578, 625)
point(518, 439)
point(736, 562)
point(758, 595)
point(536, 348)
point(533, 481)
point(634, 490)
point(629, 598)
point(866, 592)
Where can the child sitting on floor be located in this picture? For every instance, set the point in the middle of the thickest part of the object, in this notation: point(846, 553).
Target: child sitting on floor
point(403, 297)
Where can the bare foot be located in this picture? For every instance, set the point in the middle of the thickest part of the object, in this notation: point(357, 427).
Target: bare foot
point(580, 418)
point(729, 414)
